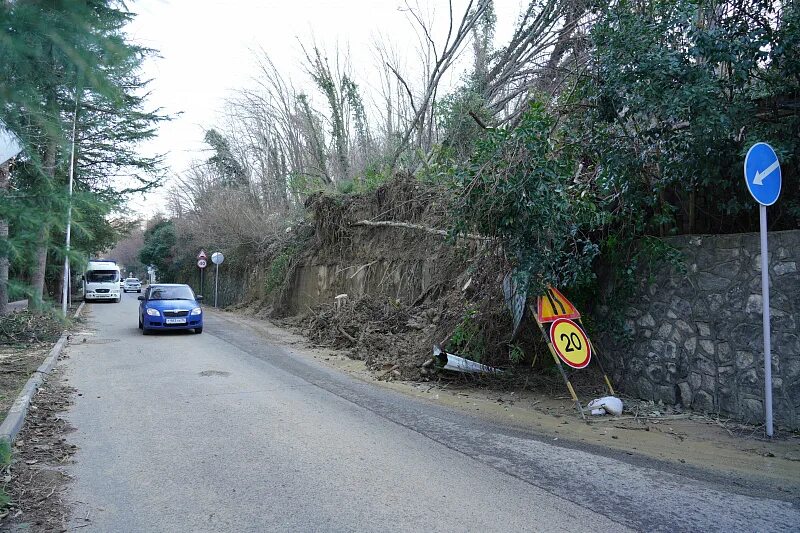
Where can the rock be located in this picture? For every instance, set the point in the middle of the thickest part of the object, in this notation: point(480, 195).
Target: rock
point(703, 329)
point(645, 388)
point(681, 307)
point(647, 321)
point(705, 366)
point(703, 401)
point(785, 268)
point(724, 352)
point(655, 373)
point(685, 393)
point(629, 327)
point(749, 377)
point(744, 360)
point(726, 399)
point(664, 331)
point(751, 410)
point(690, 345)
point(670, 350)
point(711, 282)
point(656, 349)
point(754, 304)
point(714, 302)
point(665, 394)
point(707, 346)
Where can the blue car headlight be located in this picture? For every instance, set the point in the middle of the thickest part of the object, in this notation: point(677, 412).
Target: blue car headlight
point(152, 312)
point(196, 311)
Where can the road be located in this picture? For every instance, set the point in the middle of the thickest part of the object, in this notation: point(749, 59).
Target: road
point(225, 431)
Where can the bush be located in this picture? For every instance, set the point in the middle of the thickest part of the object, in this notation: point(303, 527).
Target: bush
point(518, 188)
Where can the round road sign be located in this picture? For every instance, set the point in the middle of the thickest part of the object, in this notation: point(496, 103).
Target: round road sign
point(762, 172)
point(202, 263)
point(217, 258)
point(571, 343)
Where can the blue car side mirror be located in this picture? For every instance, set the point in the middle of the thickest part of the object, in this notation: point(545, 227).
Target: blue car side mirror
point(199, 298)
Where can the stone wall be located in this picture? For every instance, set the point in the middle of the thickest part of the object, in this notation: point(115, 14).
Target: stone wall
point(696, 338)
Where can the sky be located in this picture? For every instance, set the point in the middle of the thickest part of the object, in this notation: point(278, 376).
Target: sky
point(207, 50)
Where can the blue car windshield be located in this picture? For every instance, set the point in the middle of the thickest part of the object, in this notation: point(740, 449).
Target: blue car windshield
point(171, 293)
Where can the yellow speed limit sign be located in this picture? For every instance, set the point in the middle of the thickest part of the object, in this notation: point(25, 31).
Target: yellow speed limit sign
point(571, 343)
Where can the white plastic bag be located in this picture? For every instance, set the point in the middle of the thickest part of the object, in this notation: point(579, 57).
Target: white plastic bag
point(607, 404)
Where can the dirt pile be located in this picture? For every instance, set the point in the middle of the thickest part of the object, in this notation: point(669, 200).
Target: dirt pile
point(384, 334)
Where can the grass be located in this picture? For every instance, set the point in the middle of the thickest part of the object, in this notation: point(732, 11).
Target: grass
point(5, 460)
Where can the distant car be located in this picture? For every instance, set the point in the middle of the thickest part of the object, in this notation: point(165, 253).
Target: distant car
point(132, 284)
point(170, 306)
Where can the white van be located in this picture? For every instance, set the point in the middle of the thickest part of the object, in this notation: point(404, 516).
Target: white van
point(101, 281)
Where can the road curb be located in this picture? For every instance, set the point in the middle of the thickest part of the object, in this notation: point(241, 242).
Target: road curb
point(16, 415)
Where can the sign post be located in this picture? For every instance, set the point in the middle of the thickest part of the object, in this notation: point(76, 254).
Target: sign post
point(202, 264)
point(560, 323)
point(217, 258)
point(762, 174)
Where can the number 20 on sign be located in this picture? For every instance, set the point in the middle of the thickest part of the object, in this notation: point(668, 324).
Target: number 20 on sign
point(570, 343)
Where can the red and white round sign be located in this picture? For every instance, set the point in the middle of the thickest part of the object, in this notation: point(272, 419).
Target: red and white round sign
point(202, 263)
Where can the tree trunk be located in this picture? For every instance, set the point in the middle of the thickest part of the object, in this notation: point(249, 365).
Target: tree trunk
point(37, 278)
point(4, 183)
point(43, 239)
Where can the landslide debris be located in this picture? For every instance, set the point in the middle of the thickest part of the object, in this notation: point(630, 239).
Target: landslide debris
point(29, 327)
point(380, 333)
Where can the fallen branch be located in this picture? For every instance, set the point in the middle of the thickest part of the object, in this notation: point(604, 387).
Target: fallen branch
point(350, 337)
point(419, 227)
point(388, 371)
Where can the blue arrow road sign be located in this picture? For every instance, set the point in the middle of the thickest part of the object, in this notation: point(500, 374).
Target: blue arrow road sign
point(762, 172)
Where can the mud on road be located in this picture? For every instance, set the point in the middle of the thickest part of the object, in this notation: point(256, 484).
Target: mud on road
point(696, 442)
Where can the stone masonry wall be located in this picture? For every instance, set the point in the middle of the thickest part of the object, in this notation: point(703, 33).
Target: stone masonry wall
point(696, 338)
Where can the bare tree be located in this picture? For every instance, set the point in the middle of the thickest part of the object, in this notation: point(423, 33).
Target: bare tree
point(547, 32)
point(442, 58)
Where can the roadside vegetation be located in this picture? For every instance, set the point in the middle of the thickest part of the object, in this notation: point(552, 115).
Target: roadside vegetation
point(572, 147)
point(569, 148)
point(70, 85)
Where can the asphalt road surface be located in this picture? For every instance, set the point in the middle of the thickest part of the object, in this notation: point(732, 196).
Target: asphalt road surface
point(225, 432)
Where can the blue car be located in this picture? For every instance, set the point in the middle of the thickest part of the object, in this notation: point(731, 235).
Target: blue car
point(170, 306)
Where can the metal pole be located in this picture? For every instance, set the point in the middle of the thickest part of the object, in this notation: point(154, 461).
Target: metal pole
point(216, 283)
point(765, 315)
point(201, 280)
point(560, 368)
point(65, 281)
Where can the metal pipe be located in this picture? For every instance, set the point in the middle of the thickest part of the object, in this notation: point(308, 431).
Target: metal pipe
point(765, 316)
point(65, 281)
point(216, 283)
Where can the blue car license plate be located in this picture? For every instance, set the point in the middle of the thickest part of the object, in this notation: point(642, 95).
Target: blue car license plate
point(176, 321)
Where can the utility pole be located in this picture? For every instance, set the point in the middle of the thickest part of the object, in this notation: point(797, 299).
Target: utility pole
point(65, 282)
